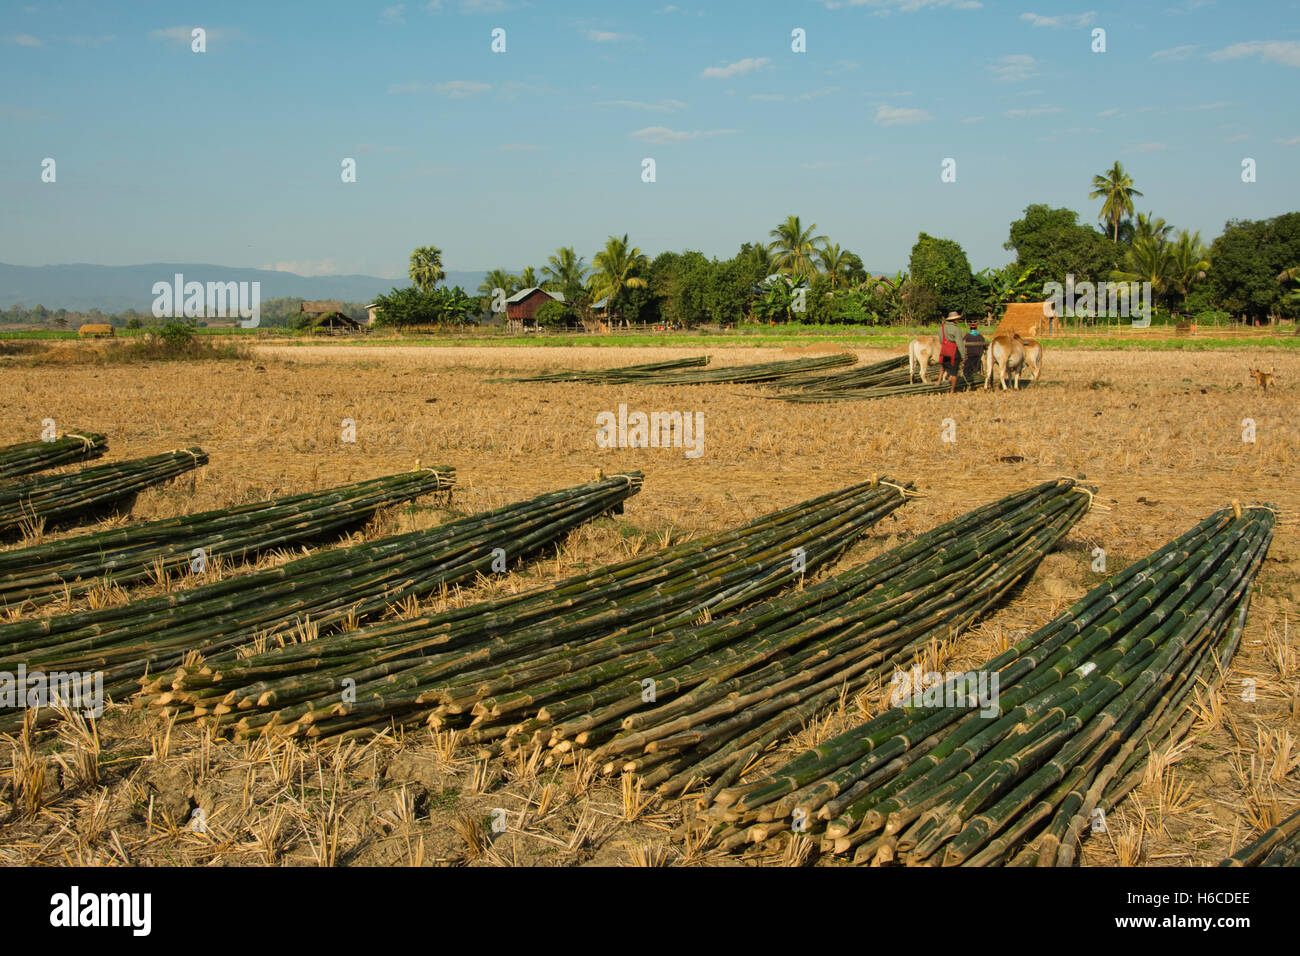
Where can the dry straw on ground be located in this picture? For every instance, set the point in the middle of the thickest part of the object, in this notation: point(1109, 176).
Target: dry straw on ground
point(1160, 434)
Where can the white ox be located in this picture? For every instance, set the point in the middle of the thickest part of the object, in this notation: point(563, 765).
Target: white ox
point(922, 351)
point(1007, 352)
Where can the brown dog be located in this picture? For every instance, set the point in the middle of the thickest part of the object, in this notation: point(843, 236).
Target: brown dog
point(1262, 379)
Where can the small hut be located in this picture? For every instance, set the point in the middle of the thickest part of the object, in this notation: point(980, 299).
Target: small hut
point(327, 317)
point(1027, 319)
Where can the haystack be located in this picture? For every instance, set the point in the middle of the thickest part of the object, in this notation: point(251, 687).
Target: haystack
point(96, 330)
point(1025, 319)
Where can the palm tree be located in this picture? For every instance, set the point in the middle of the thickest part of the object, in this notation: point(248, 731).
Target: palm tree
point(615, 269)
point(795, 246)
point(761, 254)
point(565, 270)
point(1116, 187)
point(1148, 259)
point(1188, 263)
point(426, 267)
point(1151, 226)
point(835, 262)
point(498, 279)
point(1292, 296)
point(528, 278)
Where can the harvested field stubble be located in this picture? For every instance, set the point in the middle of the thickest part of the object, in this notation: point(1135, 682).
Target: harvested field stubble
point(1160, 434)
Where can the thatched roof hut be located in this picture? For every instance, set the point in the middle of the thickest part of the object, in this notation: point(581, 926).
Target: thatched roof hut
point(321, 308)
point(335, 323)
point(1025, 318)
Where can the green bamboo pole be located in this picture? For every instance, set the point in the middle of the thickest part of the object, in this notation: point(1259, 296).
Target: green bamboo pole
point(64, 497)
point(26, 458)
point(124, 556)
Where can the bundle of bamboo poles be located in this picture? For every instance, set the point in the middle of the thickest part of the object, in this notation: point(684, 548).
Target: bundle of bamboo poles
point(318, 592)
point(124, 556)
point(400, 669)
point(892, 371)
point(611, 376)
point(731, 689)
point(688, 372)
point(31, 456)
point(741, 374)
point(880, 380)
point(1080, 704)
point(1277, 846)
point(61, 497)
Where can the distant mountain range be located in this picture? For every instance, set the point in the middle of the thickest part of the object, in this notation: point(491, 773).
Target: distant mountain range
point(110, 289)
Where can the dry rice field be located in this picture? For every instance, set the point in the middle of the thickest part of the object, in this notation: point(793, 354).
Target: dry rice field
point(1158, 434)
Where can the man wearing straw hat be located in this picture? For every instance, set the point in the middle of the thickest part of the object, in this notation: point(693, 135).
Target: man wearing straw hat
point(952, 347)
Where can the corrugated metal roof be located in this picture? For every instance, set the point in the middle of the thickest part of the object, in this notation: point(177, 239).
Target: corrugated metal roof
point(525, 293)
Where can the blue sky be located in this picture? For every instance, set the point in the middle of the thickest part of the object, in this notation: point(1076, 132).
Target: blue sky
point(233, 156)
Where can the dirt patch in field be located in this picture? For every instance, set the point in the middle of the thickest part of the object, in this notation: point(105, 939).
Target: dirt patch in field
point(1160, 435)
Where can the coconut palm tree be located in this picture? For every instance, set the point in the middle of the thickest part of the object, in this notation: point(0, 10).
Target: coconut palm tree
point(1148, 259)
point(835, 262)
point(426, 267)
point(1187, 263)
point(565, 270)
point(1151, 226)
point(498, 279)
point(795, 247)
point(615, 269)
point(1116, 187)
point(760, 253)
point(528, 278)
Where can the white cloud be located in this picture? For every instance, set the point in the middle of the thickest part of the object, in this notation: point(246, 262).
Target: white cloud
point(1061, 20)
point(973, 119)
point(461, 89)
point(663, 136)
point(518, 148)
point(511, 89)
point(739, 68)
point(1236, 139)
point(608, 36)
point(185, 35)
point(821, 164)
point(1032, 113)
point(885, 7)
point(1285, 52)
point(1113, 111)
point(663, 106)
point(1175, 52)
point(471, 6)
point(1015, 68)
point(1293, 141)
point(23, 39)
point(1150, 147)
point(393, 14)
point(892, 116)
point(797, 98)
